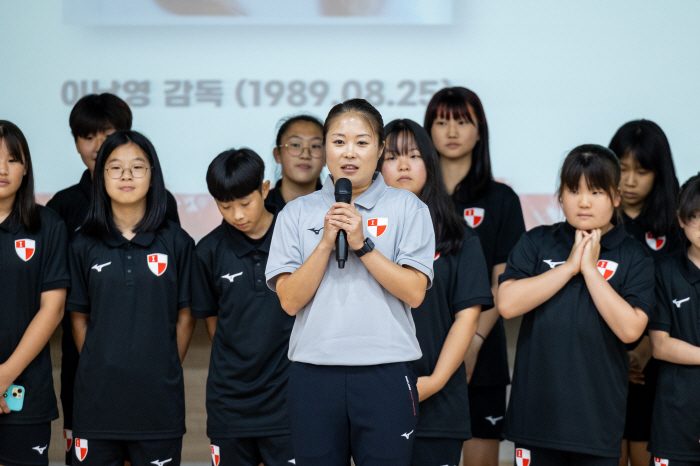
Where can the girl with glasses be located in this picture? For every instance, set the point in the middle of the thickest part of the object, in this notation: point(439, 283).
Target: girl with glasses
point(130, 303)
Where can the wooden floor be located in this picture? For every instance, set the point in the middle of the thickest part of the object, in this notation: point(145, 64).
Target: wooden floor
point(195, 448)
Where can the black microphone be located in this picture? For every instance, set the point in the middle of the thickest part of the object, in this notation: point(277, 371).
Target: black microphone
point(343, 193)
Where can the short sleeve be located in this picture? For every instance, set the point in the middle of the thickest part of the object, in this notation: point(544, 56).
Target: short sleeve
point(184, 254)
point(510, 229)
point(471, 283)
point(638, 289)
point(78, 299)
point(55, 273)
point(522, 261)
point(661, 317)
point(285, 249)
point(416, 247)
point(204, 302)
point(171, 209)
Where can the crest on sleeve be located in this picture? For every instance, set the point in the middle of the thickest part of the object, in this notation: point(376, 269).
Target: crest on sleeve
point(158, 263)
point(25, 248)
point(655, 243)
point(474, 216)
point(522, 457)
point(68, 435)
point(607, 268)
point(660, 462)
point(81, 448)
point(215, 456)
point(377, 226)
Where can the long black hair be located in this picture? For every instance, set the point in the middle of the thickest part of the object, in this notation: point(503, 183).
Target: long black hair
point(456, 102)
point(24, 208)
point(645, 141)
point(100, 221)
point(448, 226)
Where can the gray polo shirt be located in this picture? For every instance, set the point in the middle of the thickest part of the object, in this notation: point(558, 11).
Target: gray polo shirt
point(352, 320)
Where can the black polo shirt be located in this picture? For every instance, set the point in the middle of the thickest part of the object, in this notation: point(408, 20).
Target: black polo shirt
point(460, 282)
point(275, 198)
point(675, 428)
point(497, 218)
point(129, 381)
point(569, 388)
point(665, 245)
point(247, 383)
point(30, 263)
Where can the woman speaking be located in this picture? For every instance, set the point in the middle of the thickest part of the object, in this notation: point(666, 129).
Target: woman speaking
point(351, 391)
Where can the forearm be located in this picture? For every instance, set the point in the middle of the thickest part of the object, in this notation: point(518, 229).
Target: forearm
point(185, 327)
point(456, 344)
point(666, 348)
point(643, 350)
point(406, 283)
point(211, 326)
point(79, 324)
point(38, 332)
point(518, 297)
point(627, 322)
point(295, 290)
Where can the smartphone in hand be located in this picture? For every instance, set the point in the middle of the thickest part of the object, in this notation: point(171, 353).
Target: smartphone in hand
point(14, 397)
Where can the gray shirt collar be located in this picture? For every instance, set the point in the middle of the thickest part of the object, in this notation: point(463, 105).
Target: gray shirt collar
point(366, 200)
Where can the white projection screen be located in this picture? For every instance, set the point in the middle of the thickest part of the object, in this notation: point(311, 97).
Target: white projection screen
point(205, 76)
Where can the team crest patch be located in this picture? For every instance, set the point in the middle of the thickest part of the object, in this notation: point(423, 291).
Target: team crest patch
point(215, 456)
point(522, 457)
point(474, 216)
point(81, 448)
point(158, 263)
point(377, 226)
point(68, 435)
point(660, 462)
point(437, 256)
point(25, 248)
point(607, 269)
point(655, 243)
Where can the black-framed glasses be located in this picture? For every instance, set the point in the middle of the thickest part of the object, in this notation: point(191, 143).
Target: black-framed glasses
point(137, 171)
point(295, 149)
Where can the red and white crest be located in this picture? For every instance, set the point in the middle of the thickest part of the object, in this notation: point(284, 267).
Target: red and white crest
point(607, 269)
point(81, 448)
point(474, 216)
point(437, 256)
point(522, 457)
point(655, 243)
point(25, 248)
point(377, 226)
point(660, 462)
point(68, 435)
point(215, 456)
point(158, 263)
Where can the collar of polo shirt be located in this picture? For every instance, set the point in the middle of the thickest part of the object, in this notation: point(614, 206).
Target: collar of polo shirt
point(5, 225)
point(239, 245)
point(609, 240)
point(142, 239)
point(691, 271)
point(366, 200)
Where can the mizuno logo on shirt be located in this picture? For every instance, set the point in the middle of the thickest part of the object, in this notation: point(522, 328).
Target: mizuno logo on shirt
point(40, 449)
point(493, 420)
point(407, 434)
point(678, 302)
point(317, 231)
point(161, 463)
point(100, 267)
point(552, 264)
point(293, 461)
point(230, 277)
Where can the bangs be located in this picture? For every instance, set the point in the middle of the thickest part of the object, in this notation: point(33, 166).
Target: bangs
point(600, 172)
point(689, 198)
point(407, 140)
point(454, 107)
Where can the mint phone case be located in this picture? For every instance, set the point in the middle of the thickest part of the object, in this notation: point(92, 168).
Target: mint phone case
point(14, 397)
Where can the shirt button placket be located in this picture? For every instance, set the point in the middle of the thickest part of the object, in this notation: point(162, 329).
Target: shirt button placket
point(129, 265)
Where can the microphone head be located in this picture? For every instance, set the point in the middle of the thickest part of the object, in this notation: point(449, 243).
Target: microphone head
point(343, 190)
